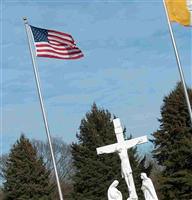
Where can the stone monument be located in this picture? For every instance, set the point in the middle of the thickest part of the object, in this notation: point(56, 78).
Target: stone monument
point(113, 193)
point(121, 148)
point(148, 188)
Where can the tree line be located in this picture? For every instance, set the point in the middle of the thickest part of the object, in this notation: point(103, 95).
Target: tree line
point(27, 171)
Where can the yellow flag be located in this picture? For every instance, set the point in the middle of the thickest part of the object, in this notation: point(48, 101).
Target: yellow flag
point(179, 11)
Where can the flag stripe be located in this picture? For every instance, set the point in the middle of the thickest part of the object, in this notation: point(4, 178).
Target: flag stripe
point(44, 48)
point(57, 43)
point(52, 55)
point(47, 46)
point(57, 52)
point(60, 33)
point(60, 40)
point(60, 36)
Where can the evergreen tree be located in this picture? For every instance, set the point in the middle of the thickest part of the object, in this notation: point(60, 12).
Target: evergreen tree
point(95, 173)
point(173, 146)
point(25, 174)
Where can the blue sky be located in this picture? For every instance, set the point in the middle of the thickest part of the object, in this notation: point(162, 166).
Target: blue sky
point(129, 66)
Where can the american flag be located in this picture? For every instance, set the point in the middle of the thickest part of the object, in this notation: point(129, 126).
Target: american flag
point(55, 44)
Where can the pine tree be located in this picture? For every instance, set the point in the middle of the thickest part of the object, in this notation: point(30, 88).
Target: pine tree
point(25, 174)
point(94, 174)
point(173, 142)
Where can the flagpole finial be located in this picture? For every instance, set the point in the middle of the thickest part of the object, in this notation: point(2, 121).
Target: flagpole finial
point(25, 20)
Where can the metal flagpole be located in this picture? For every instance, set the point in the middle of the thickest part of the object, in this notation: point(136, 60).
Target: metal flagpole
point(35, 69)
point(178, 62)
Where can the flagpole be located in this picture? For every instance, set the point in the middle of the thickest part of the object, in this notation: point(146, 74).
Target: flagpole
point(35, 69)
point(178, 62)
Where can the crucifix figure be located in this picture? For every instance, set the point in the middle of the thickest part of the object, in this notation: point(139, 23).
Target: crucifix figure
point(121, 148)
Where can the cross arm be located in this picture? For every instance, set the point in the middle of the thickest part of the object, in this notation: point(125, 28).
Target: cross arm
point(133, 142)
point(126, 144)
point(107, 149)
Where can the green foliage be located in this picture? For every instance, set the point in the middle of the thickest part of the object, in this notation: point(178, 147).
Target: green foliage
point(25, 174)
point(95, 173)
point(173, 146)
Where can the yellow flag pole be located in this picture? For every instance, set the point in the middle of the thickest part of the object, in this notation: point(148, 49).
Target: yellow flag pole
point(178, 62)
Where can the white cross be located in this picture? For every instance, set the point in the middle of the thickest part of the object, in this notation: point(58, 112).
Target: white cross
point(121, 148)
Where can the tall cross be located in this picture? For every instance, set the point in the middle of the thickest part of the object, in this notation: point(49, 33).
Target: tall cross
point(121, 148)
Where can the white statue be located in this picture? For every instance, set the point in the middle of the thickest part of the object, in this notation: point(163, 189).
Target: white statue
point(121, 148)
point(126, 171)
point(148, 188)
point(113, 193)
